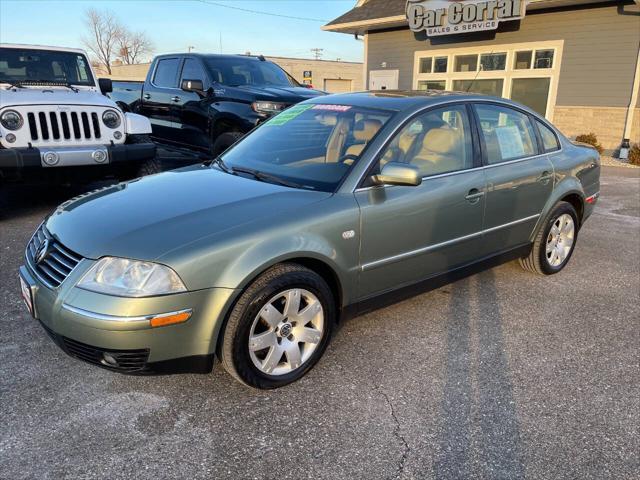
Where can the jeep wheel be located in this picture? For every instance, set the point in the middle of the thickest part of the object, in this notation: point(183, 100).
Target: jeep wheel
point(555, 242)
point(224, 141)
point(279, 328)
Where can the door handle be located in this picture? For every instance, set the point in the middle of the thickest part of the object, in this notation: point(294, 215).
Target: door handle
point(545, 177)
point(474, 195)
point(175, 99)
point(146, 96)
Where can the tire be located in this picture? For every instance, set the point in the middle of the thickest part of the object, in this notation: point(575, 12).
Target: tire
point(248, 320)
point(224, 141)
point(540, 260)
point(148, 167)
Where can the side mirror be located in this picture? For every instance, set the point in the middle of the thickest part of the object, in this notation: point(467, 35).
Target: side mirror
point(192, 85)
point(106, 85)
point(395, 173)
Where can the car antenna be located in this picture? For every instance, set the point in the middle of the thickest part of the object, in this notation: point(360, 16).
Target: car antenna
point(477, 73)
point(261, 58)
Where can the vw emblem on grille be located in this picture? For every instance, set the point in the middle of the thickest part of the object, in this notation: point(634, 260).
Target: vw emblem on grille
point(42, 252)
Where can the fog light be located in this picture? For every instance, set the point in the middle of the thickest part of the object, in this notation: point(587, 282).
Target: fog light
point(51, 158)
point(108, 359)
point(99, 156)
point(10, 138)
point(117, 135)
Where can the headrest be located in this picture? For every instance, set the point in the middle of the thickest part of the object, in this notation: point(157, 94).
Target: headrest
point(440, 140)
point(366, 129)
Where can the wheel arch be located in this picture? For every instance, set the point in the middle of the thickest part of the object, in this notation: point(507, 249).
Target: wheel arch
point(570, 191)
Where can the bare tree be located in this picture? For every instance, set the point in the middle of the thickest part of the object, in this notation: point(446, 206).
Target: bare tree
point(132, 46)
point(102, 38)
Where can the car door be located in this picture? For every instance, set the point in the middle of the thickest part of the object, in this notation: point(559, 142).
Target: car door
point(519, 176)
point(161, 97)
point(192, 126)
point(411, 233)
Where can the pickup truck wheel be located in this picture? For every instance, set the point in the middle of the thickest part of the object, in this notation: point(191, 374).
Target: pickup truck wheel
point(279, 327)
point(554, 243)
point(224, 141)
point(148, 167)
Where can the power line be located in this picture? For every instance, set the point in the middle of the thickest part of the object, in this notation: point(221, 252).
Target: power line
point(217, 4)
point(317, 53)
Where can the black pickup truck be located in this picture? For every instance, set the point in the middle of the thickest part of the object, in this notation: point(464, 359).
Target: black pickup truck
point(208, 102)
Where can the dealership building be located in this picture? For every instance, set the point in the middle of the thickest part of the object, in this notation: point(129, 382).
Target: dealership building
point(575, 62)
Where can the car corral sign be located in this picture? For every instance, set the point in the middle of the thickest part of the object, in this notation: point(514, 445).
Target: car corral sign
point(448, 17)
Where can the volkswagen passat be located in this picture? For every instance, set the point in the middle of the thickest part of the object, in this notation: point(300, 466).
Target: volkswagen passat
point(335, 206)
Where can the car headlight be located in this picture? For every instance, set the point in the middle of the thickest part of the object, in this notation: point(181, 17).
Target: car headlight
point(131, 278)
point(268, 108)
point(11, 120)
point(111, 119)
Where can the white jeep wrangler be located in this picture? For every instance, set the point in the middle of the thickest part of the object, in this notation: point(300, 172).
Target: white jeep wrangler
point(55, 119)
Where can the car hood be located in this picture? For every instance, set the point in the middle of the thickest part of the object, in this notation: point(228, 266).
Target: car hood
point(53, 96)
point(146, 218)
point(281, 94)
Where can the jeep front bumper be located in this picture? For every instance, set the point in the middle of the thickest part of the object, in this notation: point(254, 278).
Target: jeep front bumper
point(12, 159)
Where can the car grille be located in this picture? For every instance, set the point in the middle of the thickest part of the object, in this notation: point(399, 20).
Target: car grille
point(127, 361)
point(55, 263)
point(64, 125)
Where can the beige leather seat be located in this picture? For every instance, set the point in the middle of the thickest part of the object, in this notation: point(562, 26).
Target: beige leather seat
point(363, 132)
point(441, 152)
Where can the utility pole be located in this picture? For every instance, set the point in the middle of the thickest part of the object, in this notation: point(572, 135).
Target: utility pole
point(317, 53)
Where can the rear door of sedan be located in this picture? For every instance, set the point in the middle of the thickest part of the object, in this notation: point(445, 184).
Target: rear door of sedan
point(409, 234)
point(519, 176)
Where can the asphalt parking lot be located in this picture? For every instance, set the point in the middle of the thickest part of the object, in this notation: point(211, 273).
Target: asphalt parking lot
point(501, 375)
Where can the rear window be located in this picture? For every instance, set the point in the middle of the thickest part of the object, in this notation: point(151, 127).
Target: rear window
point(166, 74)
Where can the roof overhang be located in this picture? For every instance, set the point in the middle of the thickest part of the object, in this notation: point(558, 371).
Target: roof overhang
point(361, 27)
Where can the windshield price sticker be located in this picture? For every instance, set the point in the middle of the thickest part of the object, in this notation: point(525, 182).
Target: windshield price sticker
point(333, 108)
point(288, 115)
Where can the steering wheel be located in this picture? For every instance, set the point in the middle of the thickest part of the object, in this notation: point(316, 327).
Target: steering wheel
point(349, 156)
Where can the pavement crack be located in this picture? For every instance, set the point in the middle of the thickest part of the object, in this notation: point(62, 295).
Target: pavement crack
point(398, 434)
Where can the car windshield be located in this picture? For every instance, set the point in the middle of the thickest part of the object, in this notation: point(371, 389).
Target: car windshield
point(309, 145)
point(25, 66)
point(239, 71)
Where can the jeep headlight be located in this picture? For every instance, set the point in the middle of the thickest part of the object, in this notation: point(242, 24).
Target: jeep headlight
point(11, 120)
point(268, 108)
point(131, 278)
point(111, 119)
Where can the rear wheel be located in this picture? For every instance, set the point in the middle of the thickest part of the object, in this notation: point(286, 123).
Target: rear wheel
point(279, 328)
point(555, 242)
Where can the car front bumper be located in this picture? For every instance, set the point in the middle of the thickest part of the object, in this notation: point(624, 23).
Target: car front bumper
point(99, 328)
point(34, 158)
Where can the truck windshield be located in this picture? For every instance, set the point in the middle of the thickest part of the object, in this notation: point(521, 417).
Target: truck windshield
point(239, 71)
point(309, 145)
point(29, 66)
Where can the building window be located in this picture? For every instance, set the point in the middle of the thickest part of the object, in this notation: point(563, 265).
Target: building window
point(432, 85)
point(532, 92)
point(493, 61)
point(425, 65)
point(466, 63)
point(440, 65)
point(485, 86)
point(522, 60)
point(544, 59)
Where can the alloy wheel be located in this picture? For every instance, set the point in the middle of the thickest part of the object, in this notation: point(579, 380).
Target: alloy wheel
point(286, 332)
point(560, 240)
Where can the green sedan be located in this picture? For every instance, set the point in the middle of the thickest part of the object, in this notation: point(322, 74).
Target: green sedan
point(336, 206)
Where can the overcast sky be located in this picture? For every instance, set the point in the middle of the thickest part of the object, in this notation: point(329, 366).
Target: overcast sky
point(173, 25)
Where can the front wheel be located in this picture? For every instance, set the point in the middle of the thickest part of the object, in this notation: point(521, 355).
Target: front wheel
point(555, 242)
point(279, 328)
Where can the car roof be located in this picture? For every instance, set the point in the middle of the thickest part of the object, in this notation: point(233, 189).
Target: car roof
point(401, 100)
point(41, 47)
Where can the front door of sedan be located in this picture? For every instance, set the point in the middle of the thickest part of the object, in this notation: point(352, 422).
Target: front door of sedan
point(519, 179)
point(411, 233)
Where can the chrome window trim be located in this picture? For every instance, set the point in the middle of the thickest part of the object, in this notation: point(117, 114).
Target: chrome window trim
point(419, 251)
point(444, 104)
point(116, 318)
